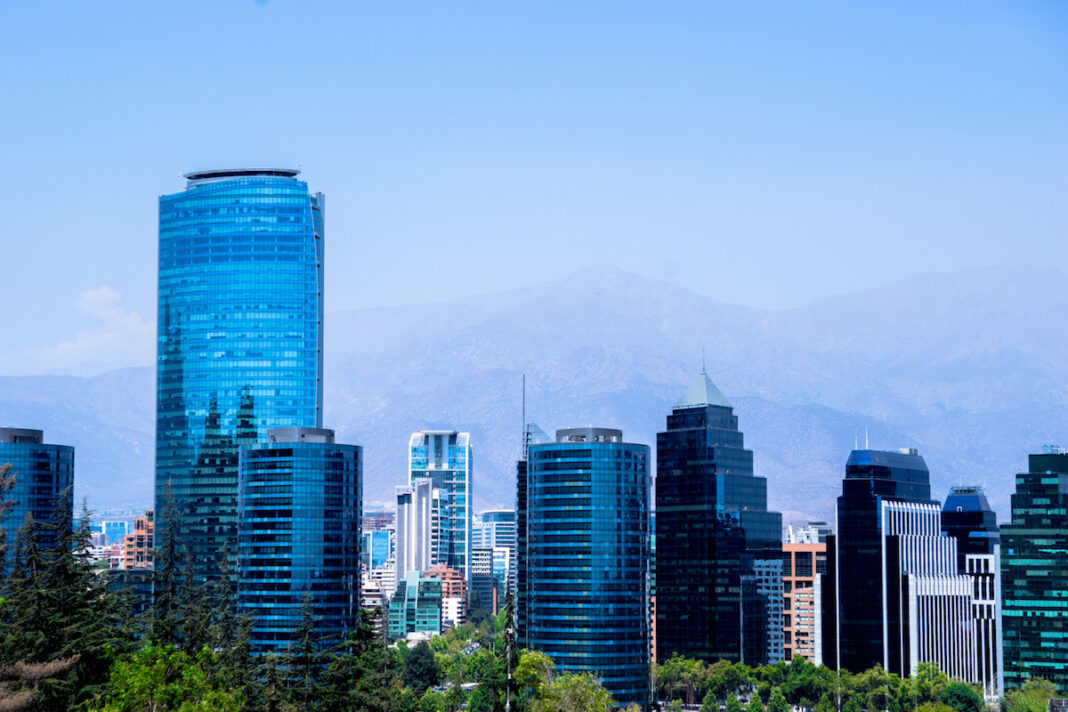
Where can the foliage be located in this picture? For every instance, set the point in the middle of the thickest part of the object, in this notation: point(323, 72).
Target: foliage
point(1033, 696)
point(573, 692)
point(162, 678)
point(421, 669)
point(961, 697)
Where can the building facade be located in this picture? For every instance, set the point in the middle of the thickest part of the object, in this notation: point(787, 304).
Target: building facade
point(892, 595)
point(240, 326)
point(415, 606)
point(494, 527)
point(714, 532)
point(299, 502)
point(483, 588)
point(418, 535)
point(377, 547)
point(1034, 573)
point(43, 474)
point(453, 594)
point(444, 457)
point(139, 545)
point(587, 556)
point(968, 518)
point(803, 564)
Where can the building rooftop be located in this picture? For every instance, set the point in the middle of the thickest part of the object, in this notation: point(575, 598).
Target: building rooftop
point(966, 499)
point(703, 392)
point(21, 435)
point(217, 174)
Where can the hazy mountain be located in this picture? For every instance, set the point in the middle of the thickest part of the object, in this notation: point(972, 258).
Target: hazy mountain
point(969, 367)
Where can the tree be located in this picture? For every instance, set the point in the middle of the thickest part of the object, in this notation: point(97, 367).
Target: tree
point(7, 483)
point(733, 704)
point(165, 625)
point(19, 682)
point(421, 669)
point(1033, 696)
point(164, 679)
point(711, 704)
point(573, 692)
point(934, 707)
point(777, 702)
point(304, 662)
point(962, 697)
point(755, 705)
point(533, 676)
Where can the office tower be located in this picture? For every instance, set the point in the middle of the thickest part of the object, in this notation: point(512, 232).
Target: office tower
point(652, 586)
point(587, 558)
point(892, 595)
point(139, 545)
point(444, 457)
point(43, 473)
point(803, 564)
point(299, 501)
point(968, 519)
point(453, 594)
point(415, 607)
point(532, 434)
point(114, 530)
point(377, 547)
point(813, 531)
point(1034, 573)
point(496, 527)
point(240, 323)
point(504, 574)
point(483, 588)
point(717, 543)
point(418, 526)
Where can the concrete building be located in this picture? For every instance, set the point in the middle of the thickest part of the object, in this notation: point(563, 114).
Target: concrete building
point(803, 564)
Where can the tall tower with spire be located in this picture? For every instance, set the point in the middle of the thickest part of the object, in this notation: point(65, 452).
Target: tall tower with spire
point(719, 550)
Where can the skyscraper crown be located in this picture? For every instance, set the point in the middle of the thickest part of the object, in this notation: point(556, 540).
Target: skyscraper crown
point(703, 392)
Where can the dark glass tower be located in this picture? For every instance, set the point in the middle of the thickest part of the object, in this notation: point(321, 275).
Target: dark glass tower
point(300, 507)
point(969, 520)
point(1034, 573)
point(716, 541)
point(892, 595)
point(240, 338)
point(587, 557)
point(42, 473)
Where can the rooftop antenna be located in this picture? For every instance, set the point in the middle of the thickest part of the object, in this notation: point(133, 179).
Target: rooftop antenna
point(866, 446)
point(856, 438)
point(525, 433)
point(704, 371)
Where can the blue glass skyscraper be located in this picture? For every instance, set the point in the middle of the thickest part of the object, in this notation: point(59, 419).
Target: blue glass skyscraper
point(444, 458)
point(43, 473)
point(299, 506)
point(586, 558)
point(240, 325)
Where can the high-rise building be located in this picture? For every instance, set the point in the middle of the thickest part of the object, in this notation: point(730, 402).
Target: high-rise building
point(813, 531)
point(444, 457)
point(453, 594)
point(587, 557)
point(803, 564)
point(892, 595)
point(717, 543)
point(139, 545)
point(495, 527)
point(43, 473)
point(240, 323)
point(968, 518)
point(1034, 573)
point(418, 533)
point(299, 502)
point(532, 434)
point(483, 589)
point(377, 547)
point(416, 606)
point(114, 530)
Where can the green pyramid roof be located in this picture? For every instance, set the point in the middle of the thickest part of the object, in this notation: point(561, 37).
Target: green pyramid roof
point(702, 392)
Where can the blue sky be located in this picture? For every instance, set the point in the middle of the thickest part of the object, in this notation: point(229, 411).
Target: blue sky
point(761, 153)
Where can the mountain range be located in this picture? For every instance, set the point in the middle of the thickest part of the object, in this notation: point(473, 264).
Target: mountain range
point(969, 367)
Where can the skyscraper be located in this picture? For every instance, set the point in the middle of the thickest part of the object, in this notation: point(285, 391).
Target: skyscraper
point(1034, 573)
point(496, 527)
point(892, 595)
point(444, 457)
point(418, 526)
point(299, 502)
point(240, 323)
point(969, 520)
point(717, 545)
point(803, 564)
point(587, 556)
point(43, 472)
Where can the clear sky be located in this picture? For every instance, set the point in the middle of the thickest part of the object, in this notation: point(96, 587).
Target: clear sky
point(763, 153)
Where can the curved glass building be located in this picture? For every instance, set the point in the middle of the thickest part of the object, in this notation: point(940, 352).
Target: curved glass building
point(299, 504)
point(240, 334)
point(42, 473)
point(586, 547)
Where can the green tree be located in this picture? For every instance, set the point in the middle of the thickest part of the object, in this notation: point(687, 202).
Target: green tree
point(573, 692)
point(163, 679)
point(733, 704)
point(421, 669)
point(1033, 696)
point(825, 704)
point(7, 483)
point(304, 663)
point(362, 672)
point(755, 705)
point(165, 624)
point(533, 676)
point(725, 678)
point(927, 683)
point(962, 697)
point(777, 702)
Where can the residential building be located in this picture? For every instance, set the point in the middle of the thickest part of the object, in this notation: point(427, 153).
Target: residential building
point(44, 478)
point(418, 535)
point(968, 518)
point(299, 502)
point(444, 457)
point(585, 561)
point(803, 564)
point(139, 545)
point(240, 327)
point(1034, 573)
point(453, 594)
point(415, 606)
point(718, 545)
point(892, 595)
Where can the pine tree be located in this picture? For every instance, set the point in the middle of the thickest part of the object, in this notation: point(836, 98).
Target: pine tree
point(304, 662)
point(194, 611)
point(164, 628)
point(7, 483)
